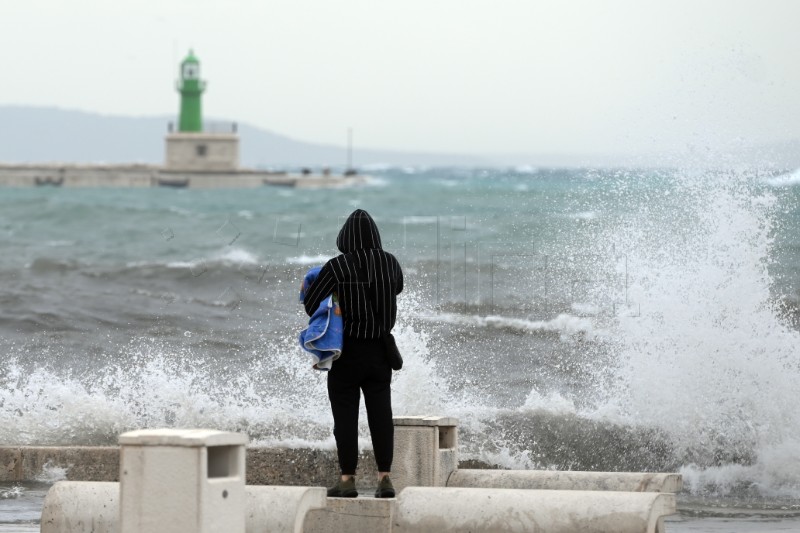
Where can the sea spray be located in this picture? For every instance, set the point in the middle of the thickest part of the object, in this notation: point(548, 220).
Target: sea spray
point(154, 385)
point(710, 361)
point(275, 397)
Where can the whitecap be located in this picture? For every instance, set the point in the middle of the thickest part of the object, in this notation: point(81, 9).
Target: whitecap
point(238, 256)
point(308, 260)
point(784, 180)
point(526, 169)
point(564, 324)
point(416, 219)
point(377, 182)
point(179, 210)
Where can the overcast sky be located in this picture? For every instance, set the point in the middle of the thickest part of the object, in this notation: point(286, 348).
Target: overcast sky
point(464, 76)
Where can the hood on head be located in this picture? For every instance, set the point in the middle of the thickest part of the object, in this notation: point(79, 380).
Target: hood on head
point(359, 232)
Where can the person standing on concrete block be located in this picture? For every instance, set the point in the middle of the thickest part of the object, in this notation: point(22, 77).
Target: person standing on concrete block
point(366, 280)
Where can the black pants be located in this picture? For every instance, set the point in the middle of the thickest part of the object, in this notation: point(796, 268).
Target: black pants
point(362, 367)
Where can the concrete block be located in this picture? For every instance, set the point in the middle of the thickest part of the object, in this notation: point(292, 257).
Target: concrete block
point(425, 420)
point(182, 438)
point(281, 509)
point(81, 507)
point(567, 480)
point(448, 463)
point(353, 515)
point(93, 507)
point(426, 509)
point(425, 451)
point(182, 480)
point(202, 151)
point(415, 455)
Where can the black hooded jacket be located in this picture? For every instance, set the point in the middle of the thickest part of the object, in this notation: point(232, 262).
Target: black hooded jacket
point(365, 278)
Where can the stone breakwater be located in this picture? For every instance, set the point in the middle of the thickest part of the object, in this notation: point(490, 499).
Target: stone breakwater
point(141, 175)
point(264, 466)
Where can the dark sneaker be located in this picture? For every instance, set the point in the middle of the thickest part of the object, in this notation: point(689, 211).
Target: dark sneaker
point(385, 488)
point(343, 489)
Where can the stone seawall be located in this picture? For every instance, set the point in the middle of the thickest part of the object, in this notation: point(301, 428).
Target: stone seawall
point(57, 175)
point(78, 175)
point(265, 466)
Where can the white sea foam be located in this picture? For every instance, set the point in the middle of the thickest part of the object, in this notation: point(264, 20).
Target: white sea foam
point(564, 324)
point(174, 264)
point(580, 215)
point(51, 473)
point(237, 256)
point(526, 169)
point(585, 308)
point(377, 182)
point(174, 389)
point(11, 493)
point(419, 219)
point(784, 180)
point(227, 257)
point(308, 260)
point(179, 210)
point(552, 402)
point(278, 400)
point(774, 474)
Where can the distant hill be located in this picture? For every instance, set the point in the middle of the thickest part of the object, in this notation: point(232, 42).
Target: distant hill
point(42, 134)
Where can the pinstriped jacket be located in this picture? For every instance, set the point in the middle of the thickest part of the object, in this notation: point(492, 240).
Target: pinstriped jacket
point(366, 279)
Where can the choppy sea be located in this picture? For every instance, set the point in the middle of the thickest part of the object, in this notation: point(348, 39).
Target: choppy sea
point(570, 319)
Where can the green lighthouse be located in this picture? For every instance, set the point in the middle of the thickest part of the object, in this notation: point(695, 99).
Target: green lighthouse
point(191, 88)
point(193, 148)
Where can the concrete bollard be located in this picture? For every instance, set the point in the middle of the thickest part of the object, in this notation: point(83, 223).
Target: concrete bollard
point(93, 507)
point(178, 480)
point(424, 509)
point(79, 506)
point(560, 480)
point(425, 450)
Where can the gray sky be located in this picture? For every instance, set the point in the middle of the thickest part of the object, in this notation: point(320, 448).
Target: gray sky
point(467, 76)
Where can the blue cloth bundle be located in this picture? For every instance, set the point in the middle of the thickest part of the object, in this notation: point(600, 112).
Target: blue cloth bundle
point(324, 335)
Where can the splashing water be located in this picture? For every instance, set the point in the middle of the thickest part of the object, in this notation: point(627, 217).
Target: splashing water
point(710, 360)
